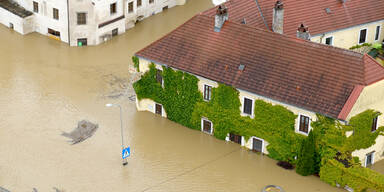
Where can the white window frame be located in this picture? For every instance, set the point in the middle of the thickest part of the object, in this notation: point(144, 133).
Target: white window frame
point(243, 105)
point(325, 42)
point(298, 124)
point(202, 125)
point(133, 3)
point(262, 143)
point(373, 158)
point(210, 97)
point(378, 37)
point(366, 36)
point(154, 108)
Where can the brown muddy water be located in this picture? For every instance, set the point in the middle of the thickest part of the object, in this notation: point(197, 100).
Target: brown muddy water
point(46, 87)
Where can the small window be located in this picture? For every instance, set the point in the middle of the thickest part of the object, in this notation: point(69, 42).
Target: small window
point(207, 92)
point(374, 124)
point(329, 41)
point(377, 34)
point(115, 32)
point(81, 18)
point(138, 3)
point(304, 124)
point(206, 126)
point(247, 106)
point(35, 7)
point(130, 7)
point(158, 109)
point(55, 13)
point(369, 159)
point(257, 145)
point(363, 36)
point(235, 138)
point(112, 8)
point(151, 1)
point(159, 77)
point(53, 32)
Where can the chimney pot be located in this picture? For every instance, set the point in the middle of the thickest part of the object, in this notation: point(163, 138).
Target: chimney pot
point(303, 32)
point(278, 17)
point(220, 17)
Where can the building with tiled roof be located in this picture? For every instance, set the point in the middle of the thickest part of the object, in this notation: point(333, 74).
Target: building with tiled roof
point(78, 23)
point(305, 77)
point(341, 23)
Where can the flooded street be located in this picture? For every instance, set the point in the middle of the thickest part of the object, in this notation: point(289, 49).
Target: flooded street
point(47, 87)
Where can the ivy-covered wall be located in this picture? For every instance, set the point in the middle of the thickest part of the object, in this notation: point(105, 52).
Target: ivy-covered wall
point(183, 103)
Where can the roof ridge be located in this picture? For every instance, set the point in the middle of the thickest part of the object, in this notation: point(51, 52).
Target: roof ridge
point(166, 35)
point(293, 38)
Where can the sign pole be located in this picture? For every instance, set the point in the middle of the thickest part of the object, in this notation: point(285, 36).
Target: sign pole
point(122, 133)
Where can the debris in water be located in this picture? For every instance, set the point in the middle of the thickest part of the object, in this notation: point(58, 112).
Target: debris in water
point(84, 130)
point(58, 190)
point(4, 190)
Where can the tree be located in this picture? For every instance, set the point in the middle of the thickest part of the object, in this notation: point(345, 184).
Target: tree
point(306, 163)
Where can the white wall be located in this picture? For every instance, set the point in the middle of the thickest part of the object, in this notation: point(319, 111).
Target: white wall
point(21, 25)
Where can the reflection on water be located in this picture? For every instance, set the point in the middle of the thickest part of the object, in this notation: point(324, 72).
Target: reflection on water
point(46, 87)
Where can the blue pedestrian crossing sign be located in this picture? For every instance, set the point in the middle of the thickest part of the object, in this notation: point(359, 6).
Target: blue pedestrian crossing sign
point(126, 152)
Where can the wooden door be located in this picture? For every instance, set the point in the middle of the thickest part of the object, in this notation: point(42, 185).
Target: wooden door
point(159, 109)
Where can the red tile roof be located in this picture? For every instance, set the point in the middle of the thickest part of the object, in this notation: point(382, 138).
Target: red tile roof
point(308, 75)
point(310, 12)
point(351, 102)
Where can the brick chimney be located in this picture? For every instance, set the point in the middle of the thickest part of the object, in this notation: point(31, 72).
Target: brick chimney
point(220, 17)
point(303, 32)
point(278, 17)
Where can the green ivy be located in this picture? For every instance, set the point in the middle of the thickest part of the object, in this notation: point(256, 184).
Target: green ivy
point(356, 177)
point(135, 61)
point(184, 104)
point(178, 96)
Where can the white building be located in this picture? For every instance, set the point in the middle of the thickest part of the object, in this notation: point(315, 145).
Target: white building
point(88, 22)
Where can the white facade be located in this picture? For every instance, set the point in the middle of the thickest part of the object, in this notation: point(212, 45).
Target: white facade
point(103, 18)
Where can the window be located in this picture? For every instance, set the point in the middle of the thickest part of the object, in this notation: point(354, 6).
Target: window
point(158, 109)
point(304, 124)
point(247, 106)
point(35, 7)
point(115, 32)
point(207, 92)
point(138, 3)
point(206, 126)
point(369, 159)
point(151, 1)
point(329, 41)
point(235, 138)
point(81, 18)
point(130, 7)
point(55, 13)
point(374, 124)
point(112, 8)
point(377, 34)
point(53, 32)
point(363, 36)
point(257, 144)
point(159, 77)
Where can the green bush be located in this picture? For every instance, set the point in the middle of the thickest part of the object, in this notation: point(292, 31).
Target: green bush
point(136, 63)
point(307, 157)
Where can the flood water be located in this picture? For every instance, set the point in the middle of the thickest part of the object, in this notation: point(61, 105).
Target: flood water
point(46, 87)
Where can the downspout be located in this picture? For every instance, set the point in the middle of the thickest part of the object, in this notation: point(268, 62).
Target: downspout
point(261, 14)
point(69, 36)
